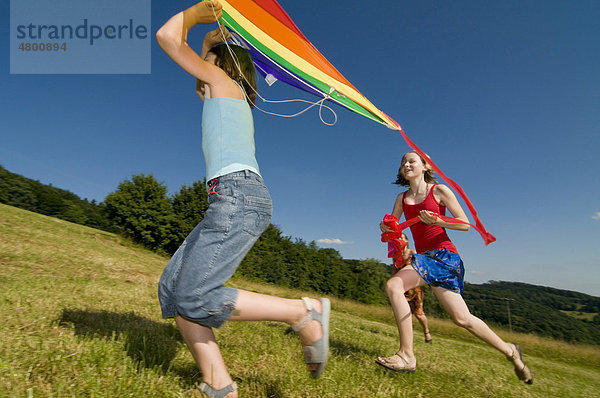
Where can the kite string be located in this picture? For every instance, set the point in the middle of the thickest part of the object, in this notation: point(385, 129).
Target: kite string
point(312, 104)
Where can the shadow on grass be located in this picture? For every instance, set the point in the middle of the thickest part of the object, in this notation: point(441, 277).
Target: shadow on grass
point(344, 349)
point(148, 342)
point(269, 387)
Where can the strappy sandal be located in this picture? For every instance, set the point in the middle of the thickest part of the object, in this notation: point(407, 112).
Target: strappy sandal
point(398, 363)
point(222, 393)
point(317, 352)
point(524, 373)
point(428, 340)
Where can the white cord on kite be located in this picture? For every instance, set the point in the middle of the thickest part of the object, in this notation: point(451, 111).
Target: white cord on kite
point(320, 102)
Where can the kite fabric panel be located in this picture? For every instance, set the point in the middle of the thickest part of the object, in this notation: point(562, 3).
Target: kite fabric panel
point(281, 52)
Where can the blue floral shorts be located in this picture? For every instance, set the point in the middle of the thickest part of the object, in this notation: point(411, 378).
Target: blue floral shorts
point(441, 268)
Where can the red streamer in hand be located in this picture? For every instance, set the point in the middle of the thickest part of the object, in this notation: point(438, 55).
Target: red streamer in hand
point(393, 238)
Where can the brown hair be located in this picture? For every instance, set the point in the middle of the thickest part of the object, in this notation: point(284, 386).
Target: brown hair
point(247, 78)
point(429, 177)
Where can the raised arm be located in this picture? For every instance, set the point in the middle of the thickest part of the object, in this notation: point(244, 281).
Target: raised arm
point(213, 37)
point(172, 38)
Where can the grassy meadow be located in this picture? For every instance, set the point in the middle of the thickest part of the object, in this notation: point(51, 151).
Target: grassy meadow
point(79, 317)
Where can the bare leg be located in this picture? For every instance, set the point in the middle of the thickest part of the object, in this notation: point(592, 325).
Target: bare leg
point(457, 308)
point(423, 321)
point(202, 344)
point(405, 279)
point(249, 307)
point(261, 307)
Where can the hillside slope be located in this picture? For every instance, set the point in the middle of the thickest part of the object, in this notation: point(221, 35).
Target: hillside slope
point(80, 318)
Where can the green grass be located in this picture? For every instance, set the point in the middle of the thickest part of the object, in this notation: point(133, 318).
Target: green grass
point(80, 318)
point(586, 316)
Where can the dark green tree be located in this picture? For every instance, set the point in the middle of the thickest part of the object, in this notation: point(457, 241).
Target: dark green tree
point(141, 210)
point(24, 193)
point(16, 191)
point(189, 205)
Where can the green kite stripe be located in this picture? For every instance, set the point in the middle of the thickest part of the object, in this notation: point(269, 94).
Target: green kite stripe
point(303, 76)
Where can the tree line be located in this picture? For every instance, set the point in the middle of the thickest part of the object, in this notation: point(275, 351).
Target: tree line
point(535, 309)
point(526, 308)
point(24, 193)
point(142, 210)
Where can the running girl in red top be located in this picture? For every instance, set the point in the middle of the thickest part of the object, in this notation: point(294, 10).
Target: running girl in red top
point(436, 263)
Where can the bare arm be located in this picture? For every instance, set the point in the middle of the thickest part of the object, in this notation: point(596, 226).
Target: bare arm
point(172, 38)
point(446, 197)
point(200, 89)
point(213, 37)
point(396, 211)
point(407, 254)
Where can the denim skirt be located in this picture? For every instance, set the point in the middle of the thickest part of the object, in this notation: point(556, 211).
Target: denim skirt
point(192, 283)
point(441, 268)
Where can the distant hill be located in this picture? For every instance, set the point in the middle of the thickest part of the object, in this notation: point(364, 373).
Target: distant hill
point(282, 261)
point(28, 194)
point(545, 311)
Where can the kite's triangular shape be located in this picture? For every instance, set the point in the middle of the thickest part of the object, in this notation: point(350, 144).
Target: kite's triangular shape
point(281, 52)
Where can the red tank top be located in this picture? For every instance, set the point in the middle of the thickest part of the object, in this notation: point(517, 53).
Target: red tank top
point(427, 237)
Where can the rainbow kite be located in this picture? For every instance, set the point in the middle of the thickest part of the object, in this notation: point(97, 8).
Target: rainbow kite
point(281, 52)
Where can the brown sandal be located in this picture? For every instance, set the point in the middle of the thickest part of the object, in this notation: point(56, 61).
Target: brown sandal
point(428, 340)
point(524, 373)
point(398, 363)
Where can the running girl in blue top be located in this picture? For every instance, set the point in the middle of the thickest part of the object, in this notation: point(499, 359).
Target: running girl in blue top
point(191, 288)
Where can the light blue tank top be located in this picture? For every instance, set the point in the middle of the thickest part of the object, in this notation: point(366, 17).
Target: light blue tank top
point(227, 136)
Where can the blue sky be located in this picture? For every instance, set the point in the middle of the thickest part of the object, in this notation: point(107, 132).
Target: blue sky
point(504, 96)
